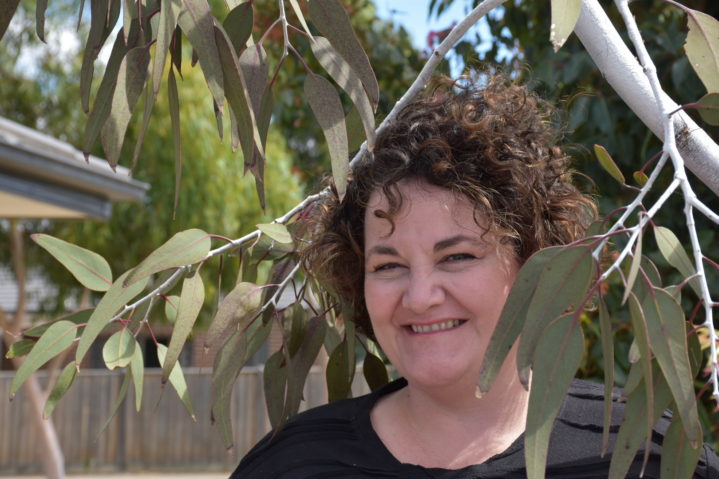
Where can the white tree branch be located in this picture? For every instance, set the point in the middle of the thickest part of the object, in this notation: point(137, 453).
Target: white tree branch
point(621, 69)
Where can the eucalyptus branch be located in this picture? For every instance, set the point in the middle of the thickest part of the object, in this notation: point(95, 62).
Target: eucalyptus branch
point(434, 61)
point(680, 176)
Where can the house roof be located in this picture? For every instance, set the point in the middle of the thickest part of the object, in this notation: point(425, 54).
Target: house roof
point(43, 177)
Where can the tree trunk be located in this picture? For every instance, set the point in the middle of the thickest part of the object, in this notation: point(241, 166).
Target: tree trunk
point(52, 457)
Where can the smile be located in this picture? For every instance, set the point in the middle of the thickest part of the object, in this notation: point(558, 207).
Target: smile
point(430, 328)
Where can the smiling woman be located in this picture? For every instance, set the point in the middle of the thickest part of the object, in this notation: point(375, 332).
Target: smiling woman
point(461, 189)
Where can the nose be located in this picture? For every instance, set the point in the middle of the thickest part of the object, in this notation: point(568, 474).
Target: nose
point(423, 292)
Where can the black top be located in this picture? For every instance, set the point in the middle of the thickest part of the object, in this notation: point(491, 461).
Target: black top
point(337, 441)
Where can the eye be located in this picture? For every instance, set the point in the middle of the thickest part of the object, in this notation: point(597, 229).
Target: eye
point(452, 258)
point(386, 267)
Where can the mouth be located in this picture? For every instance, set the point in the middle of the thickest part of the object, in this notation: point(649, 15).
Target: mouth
point(434, 327)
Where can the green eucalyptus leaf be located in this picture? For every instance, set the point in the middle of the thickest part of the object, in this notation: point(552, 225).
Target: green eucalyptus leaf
point(172, 303)
point(557, 357)
point(173, 98)
point(62, 385)
point(197, 22)
point(130, 82)
point(563, 285)
point(177, 379)
point(191, 299)
point(301, 363)
point(298, 11)
point(608, 163)
point(6, 13)
point(276, 231)
point(238, 25)
point(331, 20)
point(275, 383)
point(102, 22)
point(327, 108)
point(240, 303)
point(40, 8)
point(339, 381)
point(607, 339)
point(679, 459)
point(20, 348)
point(80, 318)
point(633, 268)
point(702, 47)
point(342, 73)
point(708, 107)
point(667, 336)
point(119, 349)
point(375, 371)
point(255, 70)
point(55, 340)
point(186, 247)
point(565, 14)
point(514, 315)
point(169, 12)
point(89, 268)
point(673, 251)
point(114, 299)
point(137, 369)
point(118, 400)
point(641, 178)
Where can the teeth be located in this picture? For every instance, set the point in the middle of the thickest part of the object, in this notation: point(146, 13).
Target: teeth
point(429, 328)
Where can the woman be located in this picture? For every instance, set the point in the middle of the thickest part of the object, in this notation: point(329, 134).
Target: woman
point(461, 189)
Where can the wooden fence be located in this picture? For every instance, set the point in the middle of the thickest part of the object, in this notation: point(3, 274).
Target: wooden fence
point(161, 437)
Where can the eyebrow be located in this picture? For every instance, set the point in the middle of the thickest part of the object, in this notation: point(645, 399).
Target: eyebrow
point(439, 246)
point(455, 240)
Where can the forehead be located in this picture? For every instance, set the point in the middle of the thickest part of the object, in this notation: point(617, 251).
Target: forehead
point(425, 209)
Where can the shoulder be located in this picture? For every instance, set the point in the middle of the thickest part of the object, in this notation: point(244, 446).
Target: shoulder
point(330, 440)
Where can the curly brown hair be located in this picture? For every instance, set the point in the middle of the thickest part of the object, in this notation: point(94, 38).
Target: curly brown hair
point(495, 145)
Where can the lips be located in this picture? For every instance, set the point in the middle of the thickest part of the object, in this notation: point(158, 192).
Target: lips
point(434, 327)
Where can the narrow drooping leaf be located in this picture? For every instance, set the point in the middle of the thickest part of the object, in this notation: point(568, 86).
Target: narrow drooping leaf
point(565, 14)
point(230, 359)
point(608, 163)
point(56, 339)
point(63, 383)
point(130, 81)
point(238, 25)
point(374, 371)
point(633, 268)
point(514, 315)
point(241, 302)
point(169, 12)
point(238, 96)
point(119, 349)
point(191, 299)
point(641, 340)
point(79, 317)
point(301, 363)
point(346, 78)
point(300, 16)
point(557, 357)
point(100, 13)
point(6, 13)
point(40, 8)
point(708, 107)
point(563, 285)
point(637, 419)
point(255, 71)
point(186, 247)
point(137, 369)
point(196, 21)
point(641, 178)
point(276, 231)
point(667, 334)
point(607, 338)
point(275, 383)
point(174, 103)
point(339, 382)
point(679, 459)
point(115, 298)
point(88, 267)
point(177, 379)
point(20, 348)
point(149, 101)
point(327, 107)
point(673, 251)
point(331, 20)
point(118, 401)
point(702, 47)
point(103, 98)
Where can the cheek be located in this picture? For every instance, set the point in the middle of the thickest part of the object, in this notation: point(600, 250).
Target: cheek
point(377, 300)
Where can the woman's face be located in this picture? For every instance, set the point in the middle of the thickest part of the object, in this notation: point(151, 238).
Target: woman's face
point(435, 286)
